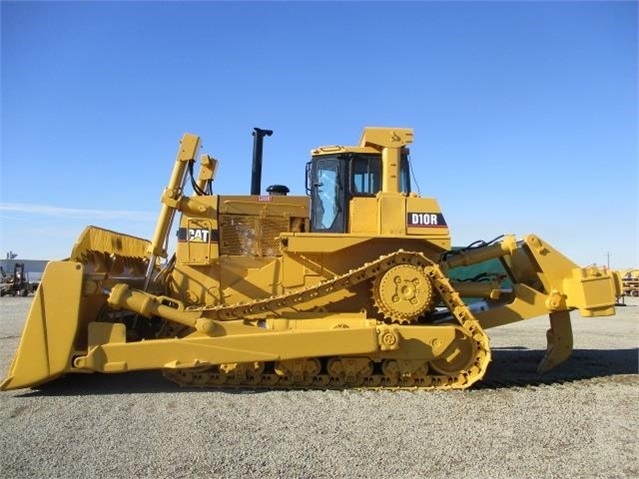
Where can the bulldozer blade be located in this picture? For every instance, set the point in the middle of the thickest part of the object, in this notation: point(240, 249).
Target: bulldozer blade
point(46, 347)
point(559, 338)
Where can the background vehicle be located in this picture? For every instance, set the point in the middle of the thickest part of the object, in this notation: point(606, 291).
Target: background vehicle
point(18, 283)
point(353, 285)
point(630, 282)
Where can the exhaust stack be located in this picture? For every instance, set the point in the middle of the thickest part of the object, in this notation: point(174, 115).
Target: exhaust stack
point(256, 175)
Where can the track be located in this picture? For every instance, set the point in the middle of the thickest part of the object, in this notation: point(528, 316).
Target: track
point(422, 284)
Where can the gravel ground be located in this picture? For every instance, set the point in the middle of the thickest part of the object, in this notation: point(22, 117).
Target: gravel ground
point(580, 420)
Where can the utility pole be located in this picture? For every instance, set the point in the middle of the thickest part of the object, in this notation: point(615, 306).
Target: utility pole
point(608, 255)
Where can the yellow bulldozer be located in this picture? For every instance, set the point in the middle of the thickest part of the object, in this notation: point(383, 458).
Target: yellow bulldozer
point(353, 285)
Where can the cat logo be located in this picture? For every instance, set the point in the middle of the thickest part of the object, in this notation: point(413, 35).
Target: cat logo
point(198, 235)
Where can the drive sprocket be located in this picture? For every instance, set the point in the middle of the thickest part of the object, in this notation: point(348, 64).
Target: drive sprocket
point(403, 293)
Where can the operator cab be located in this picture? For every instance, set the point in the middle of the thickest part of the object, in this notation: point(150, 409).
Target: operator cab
point(332, 180)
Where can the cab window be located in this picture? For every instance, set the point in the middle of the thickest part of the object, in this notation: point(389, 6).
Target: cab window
point(404, 175)
point(365, 176)
point(325, 199)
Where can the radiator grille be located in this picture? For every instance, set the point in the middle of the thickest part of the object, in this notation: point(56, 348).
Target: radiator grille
point(251, 235)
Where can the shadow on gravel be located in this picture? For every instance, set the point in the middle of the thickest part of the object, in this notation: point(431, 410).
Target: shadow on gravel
point(510, 367)
point(137, 382)
point(518, 367)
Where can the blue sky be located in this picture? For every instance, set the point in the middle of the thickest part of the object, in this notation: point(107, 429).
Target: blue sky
point(525, 113)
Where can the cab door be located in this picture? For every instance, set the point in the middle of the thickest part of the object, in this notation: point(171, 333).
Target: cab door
point(329, 194)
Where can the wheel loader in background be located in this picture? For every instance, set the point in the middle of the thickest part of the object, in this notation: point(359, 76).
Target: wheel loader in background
point(630, 282)
point(354, 285)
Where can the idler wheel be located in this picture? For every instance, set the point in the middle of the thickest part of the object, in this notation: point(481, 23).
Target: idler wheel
point(458, 357)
